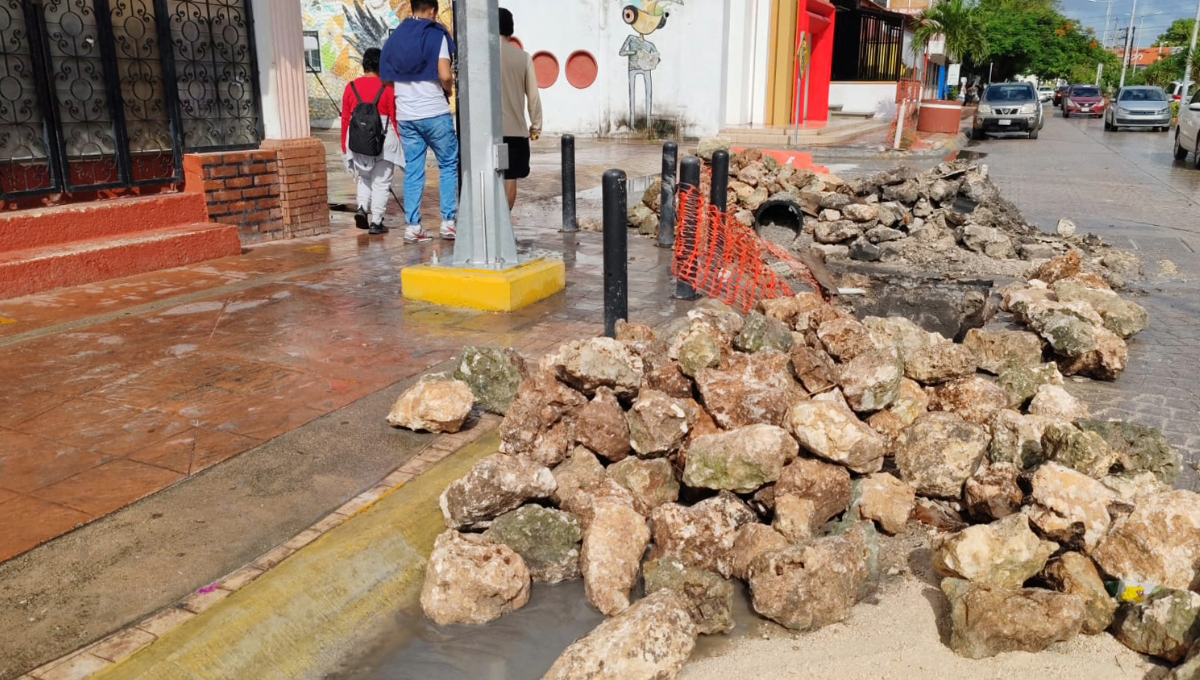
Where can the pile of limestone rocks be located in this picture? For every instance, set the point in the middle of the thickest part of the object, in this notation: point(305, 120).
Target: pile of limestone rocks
point(951, 219)
point(772, 448)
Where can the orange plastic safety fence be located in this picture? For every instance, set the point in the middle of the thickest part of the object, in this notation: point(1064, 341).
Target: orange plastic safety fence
point(724, 259)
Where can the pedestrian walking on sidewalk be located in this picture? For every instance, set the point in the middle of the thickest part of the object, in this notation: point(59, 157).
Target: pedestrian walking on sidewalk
point(371, 142)
point(416, 59)
point(518, 90)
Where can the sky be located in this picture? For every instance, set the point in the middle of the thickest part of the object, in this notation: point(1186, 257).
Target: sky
point(1153, 17)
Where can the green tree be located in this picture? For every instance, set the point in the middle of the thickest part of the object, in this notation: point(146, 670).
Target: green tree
point(1033, 37)
point(1179, 33)
point(959, 22)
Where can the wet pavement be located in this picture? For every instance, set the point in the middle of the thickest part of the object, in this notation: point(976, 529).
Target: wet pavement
point(116, 390)
point(1127, 188)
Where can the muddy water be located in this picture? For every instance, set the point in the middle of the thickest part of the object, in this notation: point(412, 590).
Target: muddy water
point(520, 646)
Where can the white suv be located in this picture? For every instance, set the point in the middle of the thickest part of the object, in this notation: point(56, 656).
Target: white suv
point(1187, 137)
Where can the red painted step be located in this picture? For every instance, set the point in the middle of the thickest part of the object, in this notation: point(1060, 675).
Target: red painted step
point(33, 270)
point(38, 227)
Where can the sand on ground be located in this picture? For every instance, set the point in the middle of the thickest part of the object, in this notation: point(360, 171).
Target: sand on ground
point(903, 637)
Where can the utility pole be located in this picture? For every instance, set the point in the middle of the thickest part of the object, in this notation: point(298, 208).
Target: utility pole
point(1107, 16)
point(1191, 56)
point(1128, 41)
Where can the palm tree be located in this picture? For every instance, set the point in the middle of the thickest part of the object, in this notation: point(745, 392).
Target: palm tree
point(959, 22)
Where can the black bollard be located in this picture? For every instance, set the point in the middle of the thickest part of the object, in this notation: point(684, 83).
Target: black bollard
point(616, 260)
point(666, 219)
point(569, 222)
point(689, 191)
point(719, 197)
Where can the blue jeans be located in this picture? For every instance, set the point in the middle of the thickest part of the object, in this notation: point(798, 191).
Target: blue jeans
point(417, 137)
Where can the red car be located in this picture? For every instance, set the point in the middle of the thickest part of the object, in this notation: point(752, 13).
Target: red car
point(1083, 100)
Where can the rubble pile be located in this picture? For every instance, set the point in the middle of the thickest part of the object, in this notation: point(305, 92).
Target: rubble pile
point(950, 219)
point(774, 447)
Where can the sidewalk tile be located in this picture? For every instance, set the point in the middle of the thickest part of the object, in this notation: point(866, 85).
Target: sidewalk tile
point(165, 621)
point(29, 463)
point(121, 645)
point(78, 667)
point(108, 487)
point(26, 522)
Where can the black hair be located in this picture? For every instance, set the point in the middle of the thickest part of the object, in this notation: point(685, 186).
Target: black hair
point(370, 60)
point(423, 5)
point(506, 23)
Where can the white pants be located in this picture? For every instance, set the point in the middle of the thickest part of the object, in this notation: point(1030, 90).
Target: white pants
point(373, 186)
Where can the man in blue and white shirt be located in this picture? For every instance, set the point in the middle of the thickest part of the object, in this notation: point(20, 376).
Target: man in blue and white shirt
point(417, 59)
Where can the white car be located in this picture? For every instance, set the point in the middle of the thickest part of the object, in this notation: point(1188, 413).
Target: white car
point(1045, 94)
point(1187, 135)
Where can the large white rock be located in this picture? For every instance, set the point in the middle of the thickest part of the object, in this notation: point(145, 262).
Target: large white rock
point(433, 406)
point(472, 579)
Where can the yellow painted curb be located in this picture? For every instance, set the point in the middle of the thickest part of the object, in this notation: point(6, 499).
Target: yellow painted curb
point(299, 619)
point(491, 291)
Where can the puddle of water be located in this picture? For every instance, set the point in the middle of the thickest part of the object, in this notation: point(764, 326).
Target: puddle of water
point(518, 646)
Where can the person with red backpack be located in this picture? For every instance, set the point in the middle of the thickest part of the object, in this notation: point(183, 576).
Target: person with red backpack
point(371, 142)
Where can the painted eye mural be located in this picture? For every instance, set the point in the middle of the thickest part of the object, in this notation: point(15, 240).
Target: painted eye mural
point(644, 17)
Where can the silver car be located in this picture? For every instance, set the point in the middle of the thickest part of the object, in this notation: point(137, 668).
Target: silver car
point(1140, 106)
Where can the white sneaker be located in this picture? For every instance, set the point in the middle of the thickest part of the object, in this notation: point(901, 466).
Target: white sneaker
point(448, 230)
point(416, 235)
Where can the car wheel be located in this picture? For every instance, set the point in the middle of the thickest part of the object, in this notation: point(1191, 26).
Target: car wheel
point(1066, 114)
point(978, 135)
point(1196, 160)
point(1108, 127)
point(1033, 134)
point(1180, 152)
point(1165, 128)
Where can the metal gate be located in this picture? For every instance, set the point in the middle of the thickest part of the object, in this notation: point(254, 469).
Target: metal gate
point(109, 94)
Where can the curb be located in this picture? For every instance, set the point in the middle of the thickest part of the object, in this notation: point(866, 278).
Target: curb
point(303, 604)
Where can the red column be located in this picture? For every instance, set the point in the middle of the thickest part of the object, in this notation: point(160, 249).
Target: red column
point(816, 20)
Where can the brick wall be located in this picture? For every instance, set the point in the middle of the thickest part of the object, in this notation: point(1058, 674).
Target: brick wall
point(303, 185)
point(241, 188)
point(277, 191)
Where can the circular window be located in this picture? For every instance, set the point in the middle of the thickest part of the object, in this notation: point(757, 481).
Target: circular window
point(517, 41)
point(581, 70)
point(546, 67)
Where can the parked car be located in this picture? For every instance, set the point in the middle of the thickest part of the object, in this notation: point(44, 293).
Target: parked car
point(1008, 107)
point(1187, 135)
point(1058, 94)
point(1139, 106)
point(1083, 100)
point(1045, 94)
point(1175, 91)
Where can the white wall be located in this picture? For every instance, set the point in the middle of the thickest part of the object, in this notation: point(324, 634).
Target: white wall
point(877, 98)
point(688, 83)
point(747, 56)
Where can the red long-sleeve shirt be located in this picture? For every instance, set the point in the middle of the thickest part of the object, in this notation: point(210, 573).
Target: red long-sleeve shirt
point(368, 87)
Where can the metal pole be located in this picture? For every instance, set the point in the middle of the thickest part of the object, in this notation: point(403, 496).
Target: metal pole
point(1099, 72)
point(689, 197)
point(899, 124)
point(1107, 16)
point(1128, 42)
point(719, 195)
point(616, 260)
point(569, 222)
point(666, 212)
point(485, 233)
point(1191, 56)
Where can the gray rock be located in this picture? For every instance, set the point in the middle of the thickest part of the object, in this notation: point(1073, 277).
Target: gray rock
point(1036, 251)
point(865, 251)
point(1165, 625)
point(996, 351)
point(547, 540)
point(650, 640)
point(831, 200)
point(1056, 403)
point(699, 350)
point(836, 232)
point(871, 381)
point(651, 482)
point(1138, 448)
point(470, 578)
point(1022, 382)
point(1121, 316)
point(1084, 452)
point(884, 234)
point(495, 485)
point(987, 620)
point(988, 241)
point(861, 212)
point(938, 452)
point(762, 333)
point(493, 375)
point(1005, 553)
point(710, 145)
point(1069, 333)
point(599, 362)
point(741, 460)
point(708, 595)
point(658, 423)
point(939, 363)
point(1017, 439)
point(1159, 542)
point(1075, 574)
point(806, 587)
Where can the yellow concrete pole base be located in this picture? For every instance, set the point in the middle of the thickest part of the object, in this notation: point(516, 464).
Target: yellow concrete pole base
point(490, 291)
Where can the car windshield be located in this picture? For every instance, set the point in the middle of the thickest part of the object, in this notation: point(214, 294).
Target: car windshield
point(1008, 93)
point(1143, 95)
point(1085, 92)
